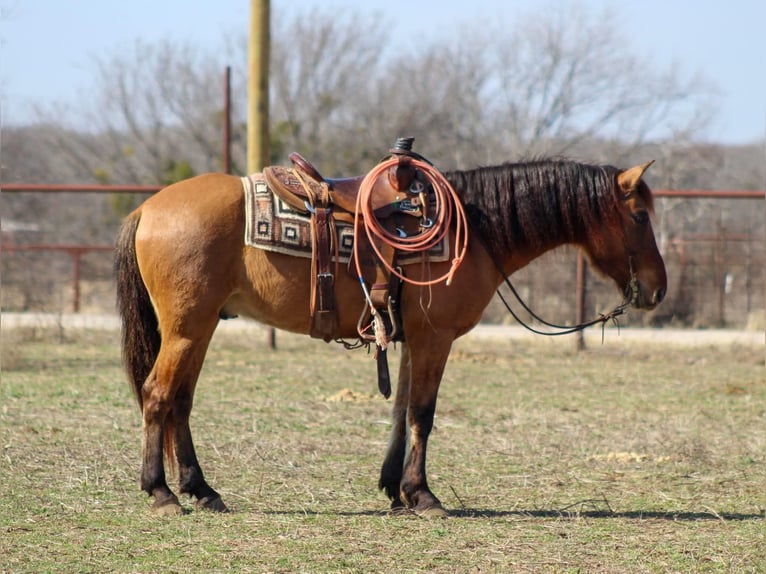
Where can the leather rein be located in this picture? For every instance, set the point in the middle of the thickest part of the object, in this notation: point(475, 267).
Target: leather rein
point(631, 297)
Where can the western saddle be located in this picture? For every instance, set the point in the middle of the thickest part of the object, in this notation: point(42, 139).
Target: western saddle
point(399, 200)
point(304, 188)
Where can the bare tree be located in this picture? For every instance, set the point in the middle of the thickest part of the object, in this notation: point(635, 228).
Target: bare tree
point(553, 84)
point(568, 76)
point(437, 96)
point(154, 106)
point(321, 67)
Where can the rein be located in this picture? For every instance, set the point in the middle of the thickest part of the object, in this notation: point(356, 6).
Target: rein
point(630, 297)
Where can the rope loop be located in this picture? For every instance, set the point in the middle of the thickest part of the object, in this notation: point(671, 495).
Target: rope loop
point(447, 209)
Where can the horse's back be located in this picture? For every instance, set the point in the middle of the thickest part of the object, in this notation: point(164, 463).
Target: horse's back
point(191, 250)
point(206, 197)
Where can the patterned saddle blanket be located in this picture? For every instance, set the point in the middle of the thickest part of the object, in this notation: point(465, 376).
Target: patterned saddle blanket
point(273, 225)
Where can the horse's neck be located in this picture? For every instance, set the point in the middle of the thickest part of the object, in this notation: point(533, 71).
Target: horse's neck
point(520, 257)
point(514, 253)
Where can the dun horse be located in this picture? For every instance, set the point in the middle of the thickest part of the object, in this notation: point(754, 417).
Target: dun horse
point(181, 265)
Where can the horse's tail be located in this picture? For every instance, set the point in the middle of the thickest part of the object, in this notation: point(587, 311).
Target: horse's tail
point(140, 333)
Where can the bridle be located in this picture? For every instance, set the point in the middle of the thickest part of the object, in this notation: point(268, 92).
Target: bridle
point(630, 298)
point(631, 295)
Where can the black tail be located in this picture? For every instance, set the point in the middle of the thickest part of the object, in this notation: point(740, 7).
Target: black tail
point(140, 333)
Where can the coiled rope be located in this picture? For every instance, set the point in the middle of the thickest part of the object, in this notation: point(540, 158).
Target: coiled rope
point(447, 208)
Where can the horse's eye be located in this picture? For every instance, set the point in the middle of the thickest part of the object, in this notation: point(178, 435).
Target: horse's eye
point(640, 217)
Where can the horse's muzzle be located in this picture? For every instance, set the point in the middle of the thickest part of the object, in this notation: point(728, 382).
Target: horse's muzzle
point(643, 298)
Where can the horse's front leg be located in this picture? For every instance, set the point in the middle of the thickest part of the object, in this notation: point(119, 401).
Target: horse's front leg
point(391, 471)
point(427, 362)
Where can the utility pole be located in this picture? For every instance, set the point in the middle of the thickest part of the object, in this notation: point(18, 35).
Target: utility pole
point(258, 152)
point(258, 86)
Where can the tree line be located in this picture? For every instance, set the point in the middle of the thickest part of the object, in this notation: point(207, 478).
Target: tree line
point(556, 83)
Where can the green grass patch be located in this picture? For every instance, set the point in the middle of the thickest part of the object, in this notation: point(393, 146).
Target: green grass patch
point(621, 458)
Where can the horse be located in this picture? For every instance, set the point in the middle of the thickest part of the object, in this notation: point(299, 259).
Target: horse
point(181, 265)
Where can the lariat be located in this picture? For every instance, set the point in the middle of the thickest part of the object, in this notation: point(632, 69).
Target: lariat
point(441, 212)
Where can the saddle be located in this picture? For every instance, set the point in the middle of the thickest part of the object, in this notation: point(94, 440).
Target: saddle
point(398, 200)
point(304, 188)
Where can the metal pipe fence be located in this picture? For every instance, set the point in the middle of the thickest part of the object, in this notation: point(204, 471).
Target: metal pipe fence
point(696, 258)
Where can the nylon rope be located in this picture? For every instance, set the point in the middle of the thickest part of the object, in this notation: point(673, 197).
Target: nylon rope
point(448, 208)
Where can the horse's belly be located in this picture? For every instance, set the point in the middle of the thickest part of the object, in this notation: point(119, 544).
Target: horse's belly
point(277, 292)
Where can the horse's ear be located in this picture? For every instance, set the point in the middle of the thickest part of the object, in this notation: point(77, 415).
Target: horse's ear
point(628, 179)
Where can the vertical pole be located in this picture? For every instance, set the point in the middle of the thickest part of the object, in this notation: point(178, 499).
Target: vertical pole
point(258, 87)
point(227, 121)
point(76, 255)
point(719, 270)
point(581, 302)
point(258, 96)
point(748, 275)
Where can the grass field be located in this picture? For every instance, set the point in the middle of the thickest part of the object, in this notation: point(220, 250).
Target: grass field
point(620, 459)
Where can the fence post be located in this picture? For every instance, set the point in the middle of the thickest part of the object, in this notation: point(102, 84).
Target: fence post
point(580, 309)
point(76, 256)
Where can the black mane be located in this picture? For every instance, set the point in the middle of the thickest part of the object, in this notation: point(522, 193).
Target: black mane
point(540, 203)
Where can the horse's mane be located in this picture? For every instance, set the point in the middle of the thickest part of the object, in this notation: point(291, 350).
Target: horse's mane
point(540, 203)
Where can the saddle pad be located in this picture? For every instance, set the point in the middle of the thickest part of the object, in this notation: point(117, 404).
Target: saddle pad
point(272, 225)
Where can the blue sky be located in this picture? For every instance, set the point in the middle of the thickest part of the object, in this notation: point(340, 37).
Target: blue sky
point(47, 46)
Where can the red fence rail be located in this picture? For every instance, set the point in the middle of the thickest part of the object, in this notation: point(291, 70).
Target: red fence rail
point(149, 189)
point(77, 251)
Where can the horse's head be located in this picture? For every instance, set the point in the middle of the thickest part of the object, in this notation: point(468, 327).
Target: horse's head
point(625, 250)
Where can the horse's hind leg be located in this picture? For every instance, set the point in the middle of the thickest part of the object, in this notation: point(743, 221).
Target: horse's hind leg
point(167, 401)
point(391, 471)
point(156, 407)
point(190, 477)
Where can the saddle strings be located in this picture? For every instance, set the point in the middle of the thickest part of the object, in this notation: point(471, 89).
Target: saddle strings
point(333, 235)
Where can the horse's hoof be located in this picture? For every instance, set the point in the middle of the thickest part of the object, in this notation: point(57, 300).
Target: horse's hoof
point(212, 503)
point(170, 508)
point(433, 511)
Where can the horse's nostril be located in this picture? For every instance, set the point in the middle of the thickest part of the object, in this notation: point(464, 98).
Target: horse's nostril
point(659, 295)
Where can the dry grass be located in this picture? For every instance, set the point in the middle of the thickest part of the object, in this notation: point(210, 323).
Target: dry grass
point(618, 459)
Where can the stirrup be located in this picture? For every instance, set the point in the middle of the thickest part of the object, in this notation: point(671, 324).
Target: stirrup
point(365, 321)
